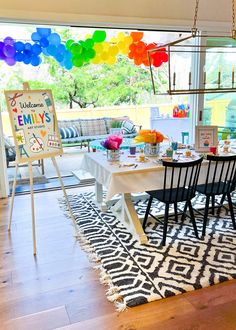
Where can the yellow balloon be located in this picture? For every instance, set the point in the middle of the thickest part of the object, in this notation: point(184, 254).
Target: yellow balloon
point(96, 60)
point(128, 40)
point(113, 40)
point(104, 56)
point(114, 50)
point(121, 36)
point(111, 60)
point(121, 45)
point(88, 36)
point(125, 50)
point(98, 47)
point(106, 46)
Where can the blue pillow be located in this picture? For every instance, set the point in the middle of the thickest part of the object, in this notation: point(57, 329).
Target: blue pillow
point(68, 132)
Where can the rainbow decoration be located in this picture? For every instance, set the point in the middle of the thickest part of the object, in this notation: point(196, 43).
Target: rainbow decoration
point(69, 54)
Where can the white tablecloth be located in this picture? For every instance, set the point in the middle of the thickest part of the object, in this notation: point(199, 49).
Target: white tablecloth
point(123, 179)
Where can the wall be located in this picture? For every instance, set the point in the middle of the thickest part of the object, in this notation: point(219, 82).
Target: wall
point(132, 13)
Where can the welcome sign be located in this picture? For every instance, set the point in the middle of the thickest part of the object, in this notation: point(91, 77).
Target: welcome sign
point(34, 124)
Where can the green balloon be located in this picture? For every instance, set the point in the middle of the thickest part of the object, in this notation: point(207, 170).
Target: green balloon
point(90, 53)
point(75, 48)
point(69, 43)
point(77, 61)
point(88, 43)
point(99, 36)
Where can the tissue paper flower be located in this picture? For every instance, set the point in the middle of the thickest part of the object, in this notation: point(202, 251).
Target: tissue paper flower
point(112, 142)
point(149, 136)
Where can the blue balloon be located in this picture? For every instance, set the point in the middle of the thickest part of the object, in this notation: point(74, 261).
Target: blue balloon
point(45, 52)
point(44, 42)
point(35, 37)
point(43, 32)
point(27, 52)
point(26, 59)
point(19, 56)
point(19, 46)
point(59, 57)
point(36, 60)
point(36, 49)
point(28, 46)
point(68, 65)
point(52, 50)
point(61, 48)
point(54, 39)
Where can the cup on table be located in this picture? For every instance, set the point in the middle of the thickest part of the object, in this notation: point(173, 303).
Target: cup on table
point(213, 149)
point(169, 152)
point(132, 150)
point(174, 145)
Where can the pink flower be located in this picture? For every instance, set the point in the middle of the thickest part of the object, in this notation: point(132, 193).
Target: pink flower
point(112, 142)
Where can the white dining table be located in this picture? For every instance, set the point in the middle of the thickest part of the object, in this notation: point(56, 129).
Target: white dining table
point(124, 177)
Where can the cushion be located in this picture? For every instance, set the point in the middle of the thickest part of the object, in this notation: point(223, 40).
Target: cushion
point(70, 123)
point(68, 132)
point(93, 126)
point(128, 127)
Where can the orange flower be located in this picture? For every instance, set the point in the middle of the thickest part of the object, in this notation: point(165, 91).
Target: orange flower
point(149, 136)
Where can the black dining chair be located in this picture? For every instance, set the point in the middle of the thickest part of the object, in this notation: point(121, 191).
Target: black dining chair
point(180, 181)
point(220, 180)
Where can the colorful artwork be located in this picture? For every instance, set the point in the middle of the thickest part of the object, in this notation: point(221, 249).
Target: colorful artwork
point(34, 124)
point(75, 53)
point(205, 137)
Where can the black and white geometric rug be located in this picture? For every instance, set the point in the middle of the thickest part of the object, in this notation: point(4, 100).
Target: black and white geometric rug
point(138, 274)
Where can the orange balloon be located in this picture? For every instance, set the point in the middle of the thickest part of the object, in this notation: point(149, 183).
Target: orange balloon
point(136, 36)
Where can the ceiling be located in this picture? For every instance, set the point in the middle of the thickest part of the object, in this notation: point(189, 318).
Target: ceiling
point(123, 12)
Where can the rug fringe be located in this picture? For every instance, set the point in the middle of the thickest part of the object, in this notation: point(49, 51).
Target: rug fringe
point(112, 293)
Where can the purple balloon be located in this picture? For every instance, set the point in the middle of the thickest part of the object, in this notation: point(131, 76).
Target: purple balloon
point(8, 41)
point(9, 51)
point(10, 61)
point(1, 45)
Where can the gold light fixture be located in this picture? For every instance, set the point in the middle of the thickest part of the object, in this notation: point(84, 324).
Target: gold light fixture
point(185, 82)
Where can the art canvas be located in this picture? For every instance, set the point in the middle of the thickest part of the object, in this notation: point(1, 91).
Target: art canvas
point(34, 124)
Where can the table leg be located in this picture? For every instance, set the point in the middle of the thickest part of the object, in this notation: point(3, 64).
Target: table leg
point(130, 219)
point(99, 196)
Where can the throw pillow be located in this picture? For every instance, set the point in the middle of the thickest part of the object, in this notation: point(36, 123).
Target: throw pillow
point(68, 132)
point(128, 127)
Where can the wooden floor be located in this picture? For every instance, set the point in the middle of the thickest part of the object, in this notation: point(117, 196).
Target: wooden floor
point(59, 289)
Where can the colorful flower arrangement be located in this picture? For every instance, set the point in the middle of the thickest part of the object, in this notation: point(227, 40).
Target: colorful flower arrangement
point(149, 136)
point(112, 142)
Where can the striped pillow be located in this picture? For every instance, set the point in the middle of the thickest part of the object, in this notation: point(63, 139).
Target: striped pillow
point(128, 127)
point(68, 132)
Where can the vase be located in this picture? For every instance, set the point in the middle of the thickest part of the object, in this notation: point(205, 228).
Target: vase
point(152, 149)
point(113, 155)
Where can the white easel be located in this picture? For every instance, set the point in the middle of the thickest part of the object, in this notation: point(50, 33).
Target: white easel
point(26, 87)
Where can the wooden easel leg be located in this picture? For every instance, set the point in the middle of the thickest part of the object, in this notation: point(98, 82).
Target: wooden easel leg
point(32, 206)
point(65, 195)
point(13, 197)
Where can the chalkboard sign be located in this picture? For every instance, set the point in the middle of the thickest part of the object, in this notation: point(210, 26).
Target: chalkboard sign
point(34, 124)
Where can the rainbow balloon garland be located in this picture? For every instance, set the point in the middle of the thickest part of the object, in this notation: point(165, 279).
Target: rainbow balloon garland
point(95, 50)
